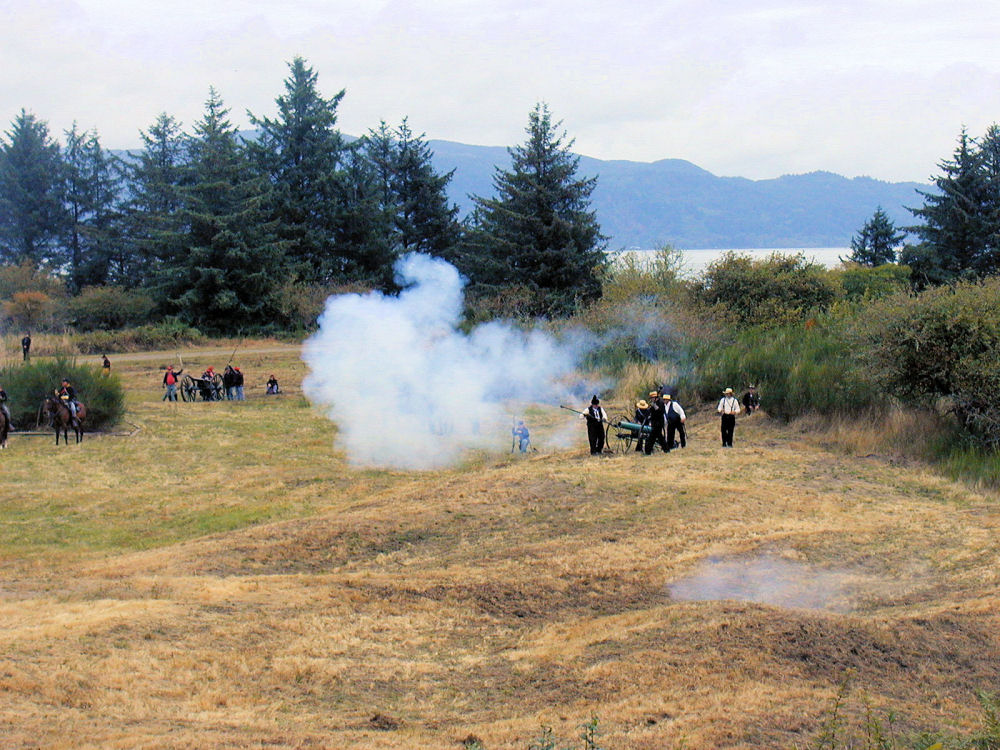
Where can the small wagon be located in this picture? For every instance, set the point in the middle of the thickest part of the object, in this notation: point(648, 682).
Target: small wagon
point(206, 389)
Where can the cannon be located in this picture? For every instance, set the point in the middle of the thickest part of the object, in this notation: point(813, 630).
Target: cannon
point(627, 433)
point(207, 389)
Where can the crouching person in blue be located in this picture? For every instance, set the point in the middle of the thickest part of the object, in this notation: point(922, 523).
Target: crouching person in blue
point(523, 437)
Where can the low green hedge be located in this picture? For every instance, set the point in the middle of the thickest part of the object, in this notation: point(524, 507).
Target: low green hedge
point(27, 385)
point(165, 335)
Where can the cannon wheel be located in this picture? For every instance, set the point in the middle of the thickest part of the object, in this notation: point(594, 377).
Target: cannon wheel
point(217, 389)
point(623, 438)
point(189, 390)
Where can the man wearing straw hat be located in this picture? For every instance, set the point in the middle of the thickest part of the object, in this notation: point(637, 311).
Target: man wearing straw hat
point(657, 412)
point(642, 419)
point(729, 407)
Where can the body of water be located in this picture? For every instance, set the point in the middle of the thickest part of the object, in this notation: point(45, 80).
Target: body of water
point(695, 261)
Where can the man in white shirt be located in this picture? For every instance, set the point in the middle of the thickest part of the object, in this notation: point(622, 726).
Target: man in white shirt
point(596, 419)
point(676, 418)
point(729, 407)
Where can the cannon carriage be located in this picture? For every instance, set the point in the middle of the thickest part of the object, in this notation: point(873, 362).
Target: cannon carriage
point(204, 389)
point(626, 434)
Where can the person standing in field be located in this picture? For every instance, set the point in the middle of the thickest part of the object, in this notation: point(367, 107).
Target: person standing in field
point(105, 365)
point(676, 418)
point(596, 419)
point(26, 346)
point(729, 407)
point(751, 400)
point(657, 415)
point(238, 384)
point(641, 418)
point(170, 383)
point(229, 382)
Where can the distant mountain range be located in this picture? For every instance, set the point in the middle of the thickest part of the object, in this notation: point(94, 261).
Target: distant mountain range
point(673, 201)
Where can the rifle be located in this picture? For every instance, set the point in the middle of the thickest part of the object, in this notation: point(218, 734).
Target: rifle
point(605, 421)
point(238, 345)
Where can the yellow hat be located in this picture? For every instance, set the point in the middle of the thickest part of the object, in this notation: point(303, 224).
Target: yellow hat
point(653, 394)
point(641, 405)
point(728, 391)
point(667, 397)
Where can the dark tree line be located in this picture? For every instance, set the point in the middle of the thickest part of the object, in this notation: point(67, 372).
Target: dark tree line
point(225, 233)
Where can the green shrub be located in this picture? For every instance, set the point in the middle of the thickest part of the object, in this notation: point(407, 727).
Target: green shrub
point(942, 344)
point(776, 291)
point(104, 307)
point(167, 334)
point(27, 386)
point(866, 283)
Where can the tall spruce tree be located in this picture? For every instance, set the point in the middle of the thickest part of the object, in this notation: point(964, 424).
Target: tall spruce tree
point(225, 281)
point(989, 155)
point(955, 229)
point(32, 216)
point(155, 227)
point(539, 231)
point(876, 242)
point(412, 197)
point(302, 154)
point(91, 191)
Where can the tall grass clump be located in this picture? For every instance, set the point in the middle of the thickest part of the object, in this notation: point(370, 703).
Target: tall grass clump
point(798, 369)
point(27, 386)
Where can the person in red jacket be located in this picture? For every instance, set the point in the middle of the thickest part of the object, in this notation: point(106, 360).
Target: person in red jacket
point(170, 383)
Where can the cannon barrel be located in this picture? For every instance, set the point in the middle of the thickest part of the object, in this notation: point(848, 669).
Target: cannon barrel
point(642, 429)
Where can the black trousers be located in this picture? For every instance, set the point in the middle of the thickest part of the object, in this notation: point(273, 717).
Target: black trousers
point(595, 434)
point(656, 438)
point(675, 428)
point(728, 425)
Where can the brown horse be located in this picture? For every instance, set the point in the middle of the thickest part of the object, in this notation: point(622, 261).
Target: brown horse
point(4, 429)
point(62, 418)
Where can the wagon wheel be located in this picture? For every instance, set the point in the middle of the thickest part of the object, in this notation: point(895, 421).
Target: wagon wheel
point(216, 387)
point(189, 390)
point(624, 439)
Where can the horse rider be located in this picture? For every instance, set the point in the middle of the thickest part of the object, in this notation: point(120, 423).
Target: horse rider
point(68, 395)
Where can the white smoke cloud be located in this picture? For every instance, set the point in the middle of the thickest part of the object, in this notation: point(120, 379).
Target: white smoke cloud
point(406, 388)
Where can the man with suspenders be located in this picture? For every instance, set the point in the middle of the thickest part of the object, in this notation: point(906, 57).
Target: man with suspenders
point(729, 407)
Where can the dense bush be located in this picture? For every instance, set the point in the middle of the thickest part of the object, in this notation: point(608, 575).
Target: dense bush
point(777, 291)
point(798, 369)
point(942, 344)
point(168, 334)
point(866, 282)
point(27, 386)
point(108, 307)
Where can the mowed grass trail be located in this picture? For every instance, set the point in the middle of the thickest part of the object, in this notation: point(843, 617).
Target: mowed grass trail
point(224, 579)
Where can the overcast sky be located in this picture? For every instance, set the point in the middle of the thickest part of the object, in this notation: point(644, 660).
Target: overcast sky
point(755, 88)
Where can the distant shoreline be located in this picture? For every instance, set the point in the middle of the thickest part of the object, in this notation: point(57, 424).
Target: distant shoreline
point(695, 261)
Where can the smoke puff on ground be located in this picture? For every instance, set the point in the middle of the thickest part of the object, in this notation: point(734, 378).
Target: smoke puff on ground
point(406, 388)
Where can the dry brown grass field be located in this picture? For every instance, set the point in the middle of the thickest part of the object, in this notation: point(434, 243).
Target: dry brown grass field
point(222, 578)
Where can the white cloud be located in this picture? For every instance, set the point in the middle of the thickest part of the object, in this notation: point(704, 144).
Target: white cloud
point(757, 89)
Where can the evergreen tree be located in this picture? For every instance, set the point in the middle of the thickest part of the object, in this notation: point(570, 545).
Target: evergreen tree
point(876, 242)
point(302, 154)
point(226, 279)
point(153, 218)
point(424, 220)
point(412, 199)
point(954, 230)
point(90, 193)
point(32, 217)
point(989, 155)
point(538, 232)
